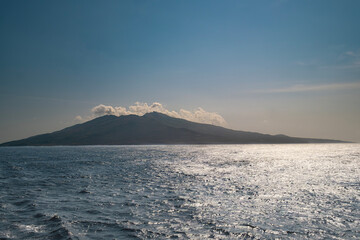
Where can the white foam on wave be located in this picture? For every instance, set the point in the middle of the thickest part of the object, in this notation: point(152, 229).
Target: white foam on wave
point(31, 228)
point(7, 235)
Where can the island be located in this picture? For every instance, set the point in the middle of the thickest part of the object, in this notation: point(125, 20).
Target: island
point(152, 128)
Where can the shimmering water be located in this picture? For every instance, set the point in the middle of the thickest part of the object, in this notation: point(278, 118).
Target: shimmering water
point(185, 192)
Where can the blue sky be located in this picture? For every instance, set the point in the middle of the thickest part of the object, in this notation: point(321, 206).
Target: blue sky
point(290, 67)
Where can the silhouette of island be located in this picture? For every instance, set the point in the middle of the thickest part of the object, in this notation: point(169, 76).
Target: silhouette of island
point(152, 128)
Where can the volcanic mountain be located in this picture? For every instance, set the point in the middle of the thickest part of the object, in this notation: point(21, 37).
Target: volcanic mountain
point(151, 128)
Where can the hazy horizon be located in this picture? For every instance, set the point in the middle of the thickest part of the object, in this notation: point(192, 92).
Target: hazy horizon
point(274, 67)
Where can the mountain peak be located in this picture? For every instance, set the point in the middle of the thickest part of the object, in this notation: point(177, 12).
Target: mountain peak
point(154, 113)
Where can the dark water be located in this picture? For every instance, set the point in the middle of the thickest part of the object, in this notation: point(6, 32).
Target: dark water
point(181, 192)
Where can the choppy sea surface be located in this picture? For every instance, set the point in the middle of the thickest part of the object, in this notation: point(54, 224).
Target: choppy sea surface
point(181, 192)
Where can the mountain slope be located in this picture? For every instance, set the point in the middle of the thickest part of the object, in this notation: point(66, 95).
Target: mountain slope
point(152, 128)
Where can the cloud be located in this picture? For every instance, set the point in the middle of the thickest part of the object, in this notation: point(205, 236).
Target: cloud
point(79, 118)
point(355, 53)
point(348, 60)
point(309, 88)
point(103, 110)
point(350, 53)
point(197, 115)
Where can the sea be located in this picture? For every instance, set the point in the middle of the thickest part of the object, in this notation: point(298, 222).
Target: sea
point(289, 191)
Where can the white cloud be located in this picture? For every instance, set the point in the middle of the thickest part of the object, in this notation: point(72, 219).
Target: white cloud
point(355, 53)
point(348, 60)
point(79, 118)
point(197, 115)
point(350, 53)
point(308, 88)
point(103, 110)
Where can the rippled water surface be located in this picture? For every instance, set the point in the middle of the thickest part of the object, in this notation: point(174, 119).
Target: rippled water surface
point(185, 192)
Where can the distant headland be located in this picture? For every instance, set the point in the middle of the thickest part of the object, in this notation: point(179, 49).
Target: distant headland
point(152, 128)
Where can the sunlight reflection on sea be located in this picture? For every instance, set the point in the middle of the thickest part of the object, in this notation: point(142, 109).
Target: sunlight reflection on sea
point(181, 191)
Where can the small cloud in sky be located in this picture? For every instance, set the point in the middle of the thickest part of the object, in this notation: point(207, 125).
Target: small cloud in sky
point(350, 53)
point(346, 60)
point(300, 63)
point(139, 108)
point(309, 88)
point(79, 118)
point(355, 53)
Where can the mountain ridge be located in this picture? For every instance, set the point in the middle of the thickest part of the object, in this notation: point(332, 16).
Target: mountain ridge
point(152, 128)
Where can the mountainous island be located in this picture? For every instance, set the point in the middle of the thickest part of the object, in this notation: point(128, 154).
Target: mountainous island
point(152, 128)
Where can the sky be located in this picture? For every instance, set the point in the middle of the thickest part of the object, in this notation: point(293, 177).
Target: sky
point(275, 66)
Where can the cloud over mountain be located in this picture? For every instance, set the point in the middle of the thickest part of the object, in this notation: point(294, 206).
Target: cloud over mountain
point(197, 115)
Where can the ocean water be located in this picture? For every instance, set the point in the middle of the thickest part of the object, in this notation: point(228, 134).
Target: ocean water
point(181, 192)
